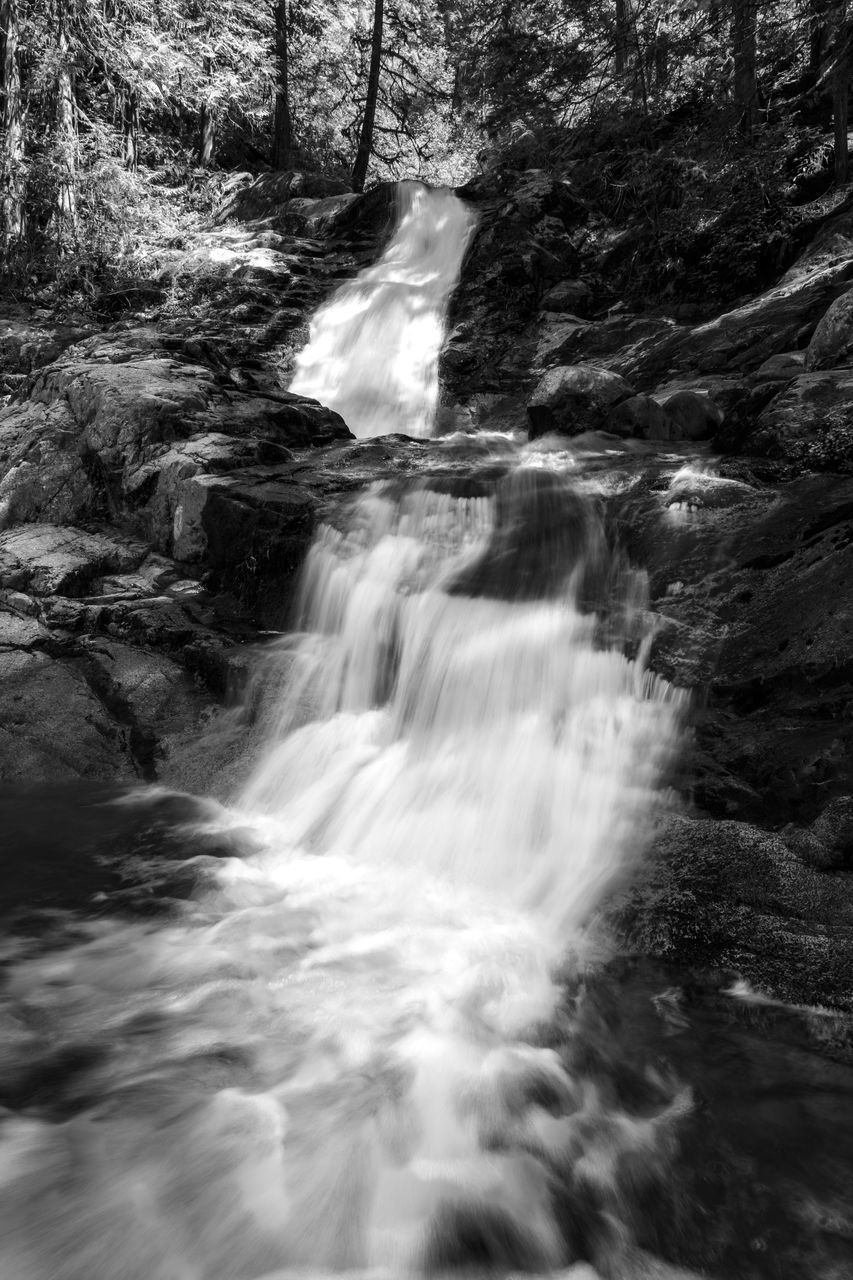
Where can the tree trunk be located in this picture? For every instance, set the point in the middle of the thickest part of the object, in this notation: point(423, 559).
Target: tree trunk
point(365, 141)
point(623, 37)
point(661, 56)
point(130, 129)
point(206, 123)
point(818, 35)
point(282, 138)
point(12, 124)
point(840, 92)
point(744, 20)
point(66, 136)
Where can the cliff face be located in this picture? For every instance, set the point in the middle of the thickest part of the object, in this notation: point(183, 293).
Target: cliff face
point(159, 486)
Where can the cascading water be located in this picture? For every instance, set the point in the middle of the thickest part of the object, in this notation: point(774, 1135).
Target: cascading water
point(373, 353)
point(336, 1057)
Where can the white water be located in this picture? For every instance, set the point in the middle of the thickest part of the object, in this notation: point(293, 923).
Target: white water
point(332, 1060)
point(374, 346)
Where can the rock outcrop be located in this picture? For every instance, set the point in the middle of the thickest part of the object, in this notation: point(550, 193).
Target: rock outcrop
point(149, 514)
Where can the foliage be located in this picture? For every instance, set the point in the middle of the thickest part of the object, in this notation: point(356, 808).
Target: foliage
point(632, 101)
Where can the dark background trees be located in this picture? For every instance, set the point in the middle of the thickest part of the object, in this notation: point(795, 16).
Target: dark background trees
point(118, 115)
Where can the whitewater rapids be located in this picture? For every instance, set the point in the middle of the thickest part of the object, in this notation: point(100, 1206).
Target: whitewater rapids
point(374, 346)
point(339, 1055)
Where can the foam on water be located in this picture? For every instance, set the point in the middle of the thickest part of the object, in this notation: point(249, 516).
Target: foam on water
point(374, 346)
point(330, 1062)
point(333, 1058)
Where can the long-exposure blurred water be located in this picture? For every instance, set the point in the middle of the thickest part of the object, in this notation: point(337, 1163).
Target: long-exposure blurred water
point(373, 353)
point(359, 1019)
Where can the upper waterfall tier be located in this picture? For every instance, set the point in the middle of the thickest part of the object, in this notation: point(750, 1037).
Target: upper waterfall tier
point(374, 346)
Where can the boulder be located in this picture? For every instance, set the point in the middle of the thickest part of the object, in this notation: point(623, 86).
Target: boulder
point(690, 415)
point(781, 367)
point(639, 416)
point(574, 398)
point(831, 345)
point(568, 295)
point(810, 423)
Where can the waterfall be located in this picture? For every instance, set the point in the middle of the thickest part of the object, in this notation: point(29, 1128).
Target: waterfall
point(374, 346)
point(336, 1058)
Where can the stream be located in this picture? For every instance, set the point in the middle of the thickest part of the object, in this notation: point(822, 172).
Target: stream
point(363, 1015)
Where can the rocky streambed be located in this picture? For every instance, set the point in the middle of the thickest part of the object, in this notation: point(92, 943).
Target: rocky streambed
point(159, 487)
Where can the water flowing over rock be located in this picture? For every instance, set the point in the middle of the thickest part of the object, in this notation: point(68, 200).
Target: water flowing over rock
point(373, 354)
point(461, 761)
point(368, 1018)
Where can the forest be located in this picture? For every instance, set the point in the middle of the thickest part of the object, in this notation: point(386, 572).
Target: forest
point(119, 115)
point(426, 640)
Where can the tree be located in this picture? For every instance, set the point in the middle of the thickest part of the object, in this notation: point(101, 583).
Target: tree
point(744, 24)
point(622, 37)
point(840, 93)
point(282, 145)
point(365, 140)
point(130, 128)
point(206, 119)
point(12, 187)
point(65, 125)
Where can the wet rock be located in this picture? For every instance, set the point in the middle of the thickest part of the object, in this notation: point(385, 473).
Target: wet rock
point(568, 295)
point(639, 416)
point(149, 694)
point(740, 340)
point(284, 419)
point(809, 423)
point(543, 531)
point(574, 398)
point(757, 595)
point(828, 842)
point(53, 727)
point(783, 367)
point(525, 244)
point(251, 527)
point(48, 559)
point(689, 415)
point(164, 478)
point(487, 412)
point(729, 895)
point(555, 340)
point(627, 343)
point(831, 345)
